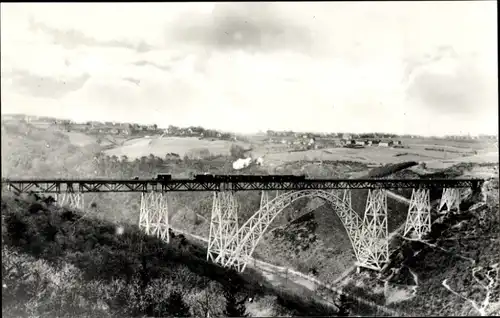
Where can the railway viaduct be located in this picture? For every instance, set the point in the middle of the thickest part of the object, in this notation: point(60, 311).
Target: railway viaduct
point(231, 244)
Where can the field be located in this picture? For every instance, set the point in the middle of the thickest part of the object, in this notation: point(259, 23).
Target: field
point(437, 153)
point(189, 146)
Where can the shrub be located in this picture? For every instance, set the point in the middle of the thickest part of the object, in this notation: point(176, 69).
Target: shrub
point(237, 151)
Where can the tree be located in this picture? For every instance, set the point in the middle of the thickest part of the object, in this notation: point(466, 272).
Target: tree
point(237, 151)
point(343, 304)
point(234, 308)
point(176, 305)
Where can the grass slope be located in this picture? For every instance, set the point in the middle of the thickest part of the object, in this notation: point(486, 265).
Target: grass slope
point(55, 263)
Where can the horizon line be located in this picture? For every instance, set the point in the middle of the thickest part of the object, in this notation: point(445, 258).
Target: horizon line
point(258, 131)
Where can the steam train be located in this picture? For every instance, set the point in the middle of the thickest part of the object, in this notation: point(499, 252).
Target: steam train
point(248, 178)
point(239, 178)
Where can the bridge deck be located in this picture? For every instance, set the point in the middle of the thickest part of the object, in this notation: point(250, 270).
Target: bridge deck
point(114, 185)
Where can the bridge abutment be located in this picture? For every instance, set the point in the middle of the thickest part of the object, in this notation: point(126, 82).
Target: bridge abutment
point(418, 219)
point(373, 246)
point(153, 216)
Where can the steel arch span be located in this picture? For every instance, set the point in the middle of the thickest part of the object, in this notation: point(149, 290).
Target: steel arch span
point(367, 236)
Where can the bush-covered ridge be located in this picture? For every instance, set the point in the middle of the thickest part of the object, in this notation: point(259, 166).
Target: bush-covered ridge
point(56, 263)
point(459, 247)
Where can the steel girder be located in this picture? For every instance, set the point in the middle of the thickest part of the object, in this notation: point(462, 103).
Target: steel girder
point(418, 219)
point(74, 200)
point(223, 226)
point(373, 248)
point(96, 185)
point(153, 217)
point(451, 199)
point(252, 231)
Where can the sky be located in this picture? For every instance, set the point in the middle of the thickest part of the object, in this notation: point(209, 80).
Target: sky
point(427, 68)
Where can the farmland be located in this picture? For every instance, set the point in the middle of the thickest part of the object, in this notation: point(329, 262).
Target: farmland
point(434, 151)
point(189, 146)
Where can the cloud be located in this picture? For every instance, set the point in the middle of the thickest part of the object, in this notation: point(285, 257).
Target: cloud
point(71, 38)
point(160, 67)
point(254, 27)
point(453, 84)
point(38, 86)
point(132, 80)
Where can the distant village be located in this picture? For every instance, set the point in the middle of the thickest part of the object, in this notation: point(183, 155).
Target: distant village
point(293, 140)
point(301, 141)
point(115, 128)
point(315, 141)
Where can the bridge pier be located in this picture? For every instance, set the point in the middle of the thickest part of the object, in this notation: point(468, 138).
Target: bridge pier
point(419, 214)
point(346, 198)
point(74, 200)
point(153, 217)
point(373, 246)
point(451, 199)
point(222, 239)
point(264, 198)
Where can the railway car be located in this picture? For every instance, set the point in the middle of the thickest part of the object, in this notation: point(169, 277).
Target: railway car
point(164, 177)
point(290, 178)
point(205, 177)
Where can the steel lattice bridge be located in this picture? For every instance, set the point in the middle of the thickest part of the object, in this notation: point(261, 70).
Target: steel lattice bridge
point(231, 244)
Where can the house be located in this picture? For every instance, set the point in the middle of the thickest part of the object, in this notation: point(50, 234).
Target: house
point(9, 117)
point(347, 141)
point(312, 141)
point(80, 127)
point(95, 124)
point(386, 143)
point(359, 142)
